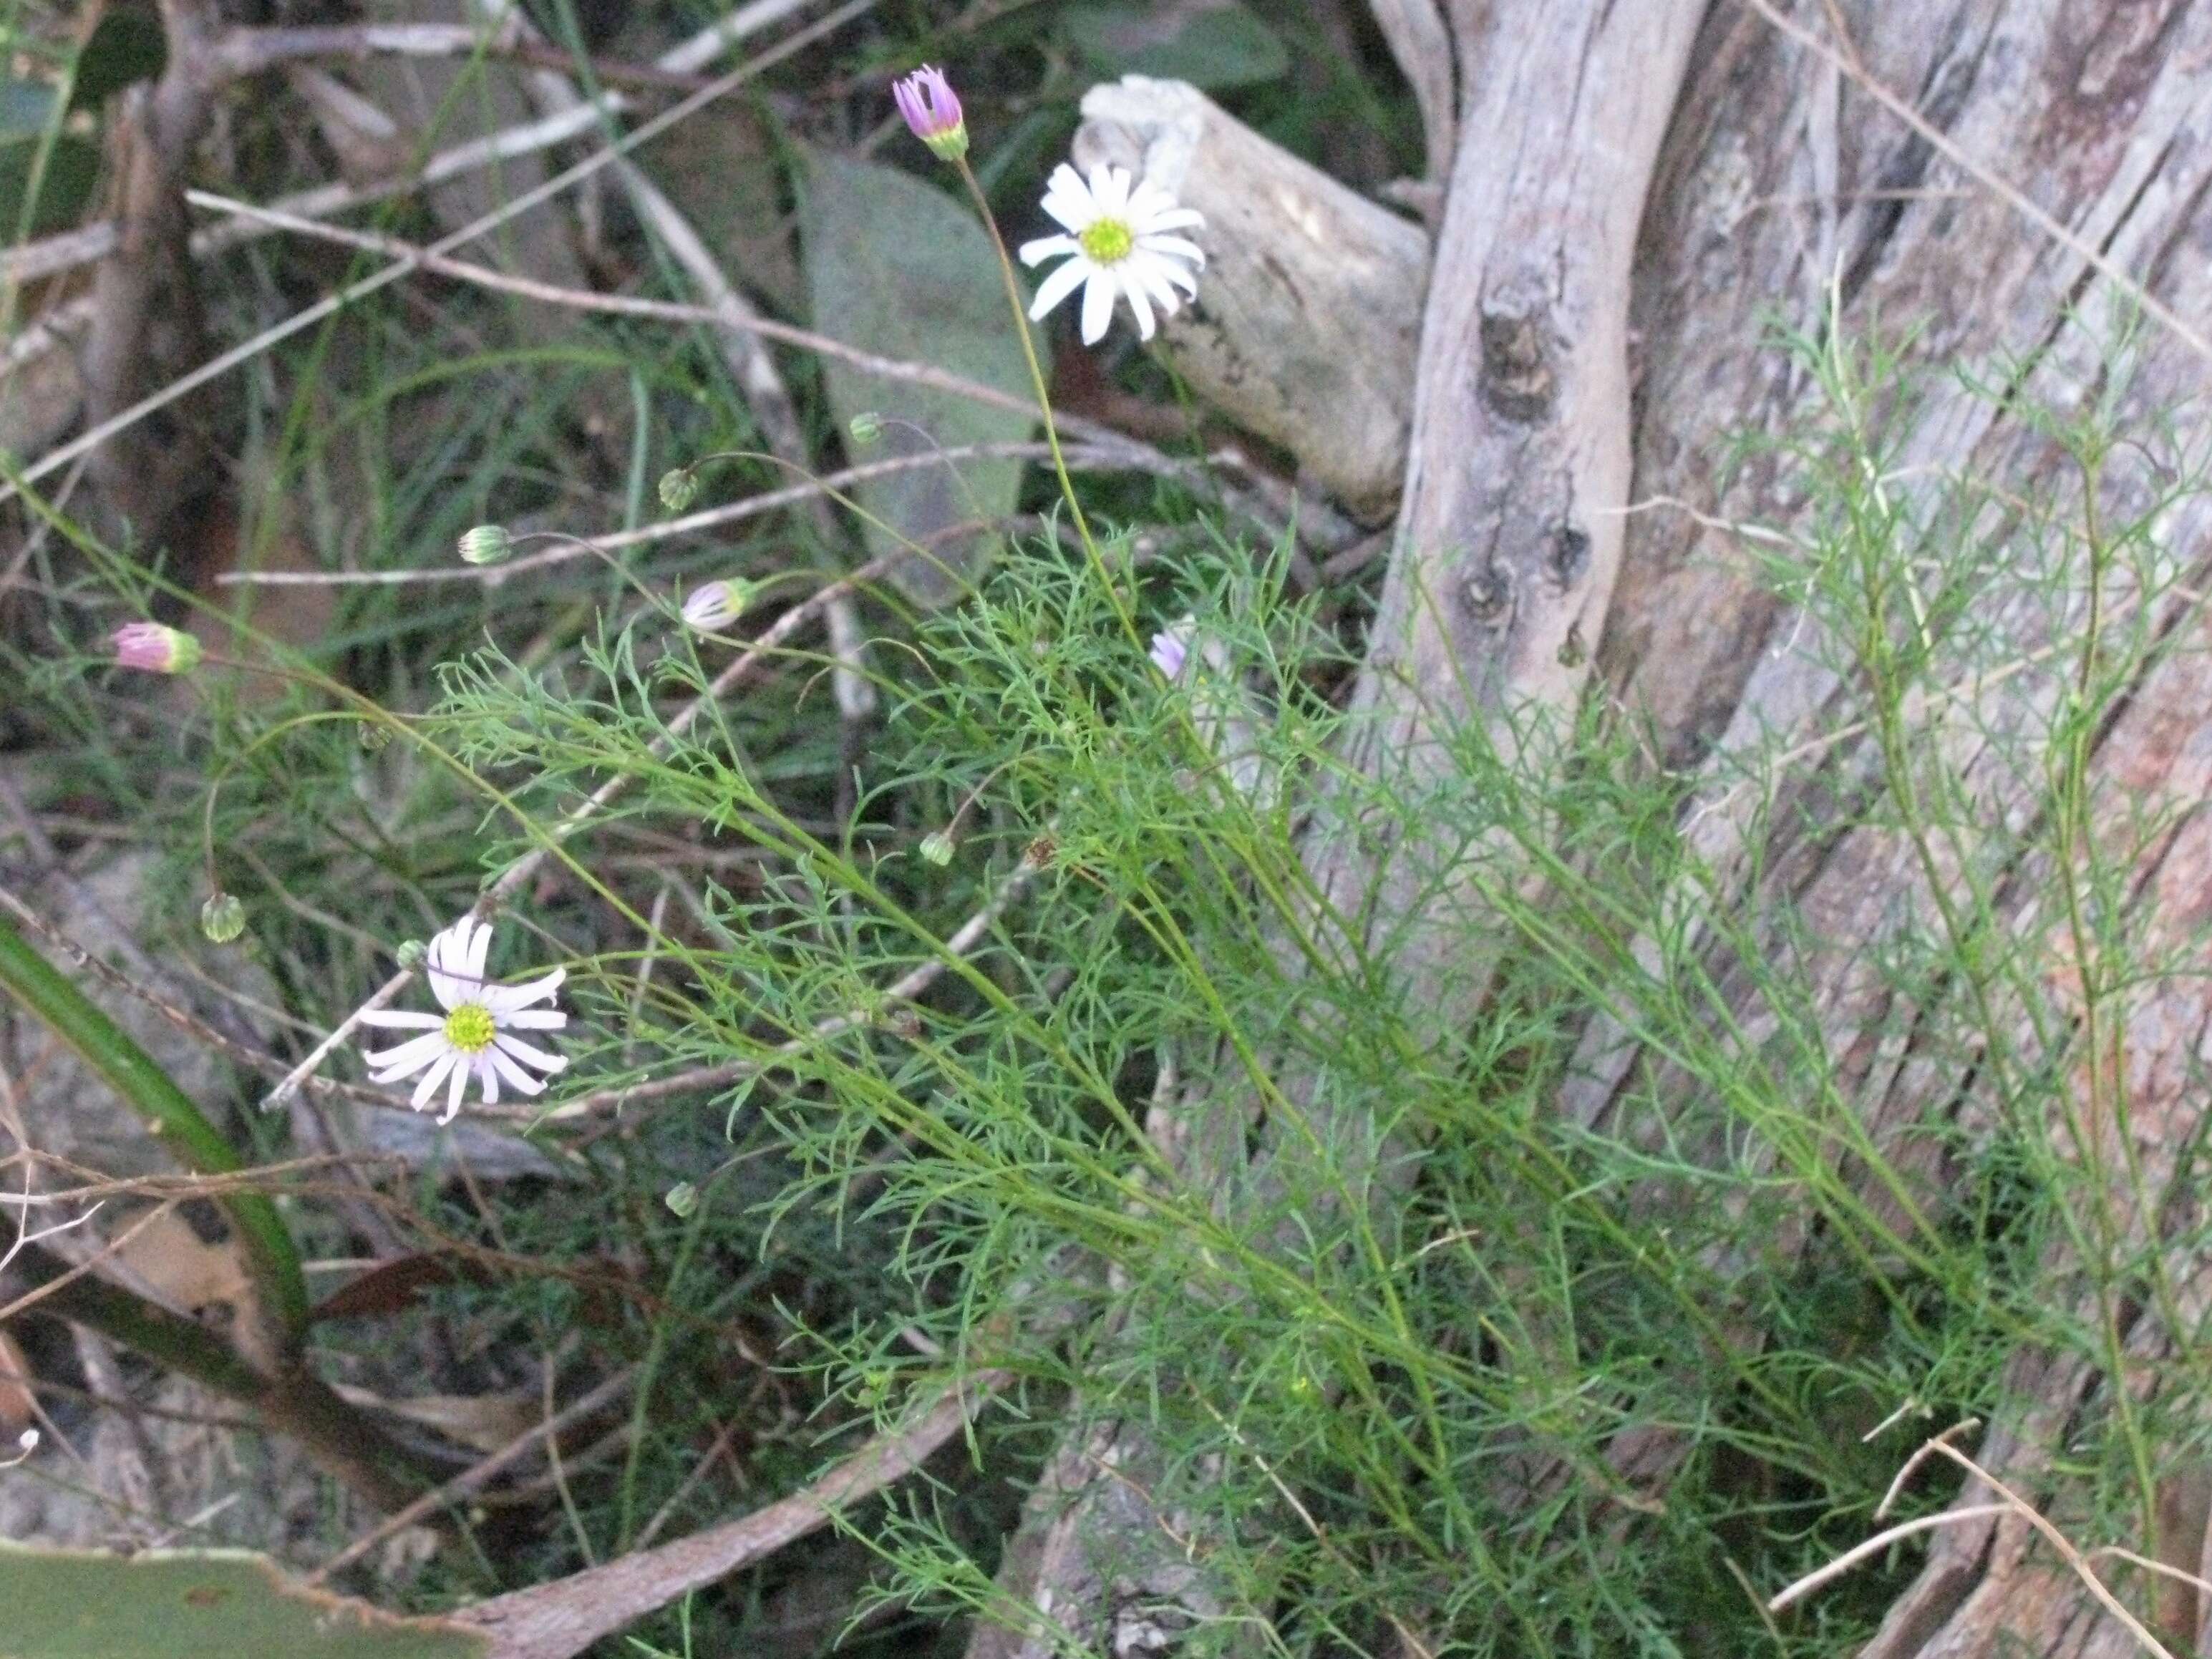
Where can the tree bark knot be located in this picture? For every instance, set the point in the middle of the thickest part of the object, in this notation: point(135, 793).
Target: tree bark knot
point(1518, 382)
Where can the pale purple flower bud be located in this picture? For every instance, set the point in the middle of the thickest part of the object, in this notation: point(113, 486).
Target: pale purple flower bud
point(932, 109)
point(712, 606)
point(153, 649)
point(1167, 653)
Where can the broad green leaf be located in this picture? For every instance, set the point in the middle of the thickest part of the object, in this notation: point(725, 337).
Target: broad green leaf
point(64, 191)
point(127, 45)
point(195, 1604)
point(1208, 43)
point(901, 268)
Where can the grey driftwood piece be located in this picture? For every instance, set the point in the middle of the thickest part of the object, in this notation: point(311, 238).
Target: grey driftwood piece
point(1309, 309)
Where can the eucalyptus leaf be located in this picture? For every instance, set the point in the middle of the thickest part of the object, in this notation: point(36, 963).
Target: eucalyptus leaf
point(127, 45)
point(1208, 43)
point(899, 267)
point(195, 1604)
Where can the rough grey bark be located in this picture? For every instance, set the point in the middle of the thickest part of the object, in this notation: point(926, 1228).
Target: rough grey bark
point(1306, 326)
point(1786, 184)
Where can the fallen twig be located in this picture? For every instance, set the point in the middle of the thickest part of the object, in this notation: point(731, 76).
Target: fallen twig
point(556, 1621)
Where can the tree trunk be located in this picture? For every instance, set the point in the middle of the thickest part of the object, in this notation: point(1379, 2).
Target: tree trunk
point(1789, 182)
point(1996, 174)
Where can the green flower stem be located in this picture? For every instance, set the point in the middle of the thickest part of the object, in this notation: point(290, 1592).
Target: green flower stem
point(1044, 402)
point(196, 1143)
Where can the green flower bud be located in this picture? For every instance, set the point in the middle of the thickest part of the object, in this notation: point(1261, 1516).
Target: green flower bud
point(410, 953)
point(683, 1198)
point(937, 848)
point(223, 918)
point(679, 488)
point(488, 543)
point(866, 426)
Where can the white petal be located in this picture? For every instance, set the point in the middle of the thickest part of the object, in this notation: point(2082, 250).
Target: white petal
point(488, 1077)
point(1097, 305)
point(400, 1017)
point(1068, 182)
point(1073, 210)
point(1110, 188)
point(455, 1091)
point(1044, 247)
point(479, 952)
point(1146, 200)
point(409, 1057)
point(1058, 286)
point(447, 1063)
point(529, 1056)
point(442, 960)
point(1174, 218)
point(532, 1019)
point(1132, 284)
point(1174, 248)
point(505, 999)
point(1156, 283)
point(517, 1079)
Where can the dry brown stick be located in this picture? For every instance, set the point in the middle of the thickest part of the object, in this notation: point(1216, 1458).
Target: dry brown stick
point(477, 1474)
point(557, 1620)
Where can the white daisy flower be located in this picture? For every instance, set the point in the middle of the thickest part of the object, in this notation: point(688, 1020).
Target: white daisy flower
point(475, 1036)
point(1118, 243)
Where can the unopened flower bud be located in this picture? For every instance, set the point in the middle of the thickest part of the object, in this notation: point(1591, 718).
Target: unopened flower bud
point(223, 918)
point(683, 1198)
point(932, 109)
point(373, 735)
point(410, 953)
point(153, 649)
point(488, 543)
point(712, 606)
point(937, 848)
point(867, 428)
point(679, 488)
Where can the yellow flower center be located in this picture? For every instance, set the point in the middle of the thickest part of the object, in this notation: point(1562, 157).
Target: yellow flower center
point(470, 1027)
point(1108, 241)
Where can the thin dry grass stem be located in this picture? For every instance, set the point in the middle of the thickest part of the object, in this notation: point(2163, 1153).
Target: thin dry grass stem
point(1875, 1545)
point(2010, 1504)
point(439, 264)
point(66, 250)
point(719, 1448)
point(521, 203)
point(477, 1474)
point(567, 551)
point(1965, 1426)
point(2149, 1565)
